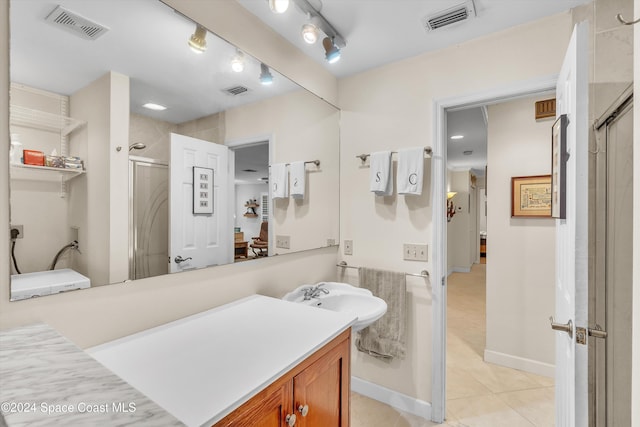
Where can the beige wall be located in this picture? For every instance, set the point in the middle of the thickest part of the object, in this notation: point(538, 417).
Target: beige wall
point(390, 108)
point(521, 263)
point(302, 128)
point(97, 315)
point(459, 228)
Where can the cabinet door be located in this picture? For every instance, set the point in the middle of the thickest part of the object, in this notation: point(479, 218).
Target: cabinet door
point(324, 387)
point(268, 409)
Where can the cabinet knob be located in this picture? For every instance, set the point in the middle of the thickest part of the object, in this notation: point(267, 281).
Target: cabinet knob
point(304, 410)
point(290, 420)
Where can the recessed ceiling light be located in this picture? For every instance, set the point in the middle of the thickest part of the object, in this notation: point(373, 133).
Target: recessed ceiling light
point(457, 136)
point(154, 107)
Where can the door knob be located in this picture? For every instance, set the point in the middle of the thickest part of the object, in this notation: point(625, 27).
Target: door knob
point(304, 410)
point(290, 420)
point(564, 327)
point(179, 259)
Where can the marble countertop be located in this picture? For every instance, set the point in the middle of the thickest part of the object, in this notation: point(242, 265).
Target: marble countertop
point(45, 380)
point(204, 366)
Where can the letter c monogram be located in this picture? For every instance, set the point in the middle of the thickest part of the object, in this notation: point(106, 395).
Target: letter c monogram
point(413, 179)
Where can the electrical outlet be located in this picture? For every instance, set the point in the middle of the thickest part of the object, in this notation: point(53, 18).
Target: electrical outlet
point(283, 242)
point(414, 252)
point(20, 229)
point(348, 247)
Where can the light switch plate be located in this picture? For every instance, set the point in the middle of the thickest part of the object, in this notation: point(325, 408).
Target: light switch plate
point(283, 242)
point(415, 252)
point(348, 247)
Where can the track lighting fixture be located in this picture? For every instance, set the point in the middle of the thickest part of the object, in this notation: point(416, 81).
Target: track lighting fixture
point(237, 62)
point(198, 40)
point(265, 75)
point(310, 30)
point(331, 51)
point(310, 33)
point(278, 6)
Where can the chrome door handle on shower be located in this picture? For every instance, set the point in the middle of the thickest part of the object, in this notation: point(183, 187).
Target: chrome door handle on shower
point(179, 259)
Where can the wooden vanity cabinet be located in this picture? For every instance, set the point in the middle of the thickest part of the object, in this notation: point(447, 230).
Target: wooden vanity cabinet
point(317, 391)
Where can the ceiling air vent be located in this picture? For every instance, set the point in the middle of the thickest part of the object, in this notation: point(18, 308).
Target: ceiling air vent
point(78, 25)
point(235, 90)
point(450, 16)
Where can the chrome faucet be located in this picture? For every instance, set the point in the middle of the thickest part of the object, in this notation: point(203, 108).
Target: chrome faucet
point(314, 292)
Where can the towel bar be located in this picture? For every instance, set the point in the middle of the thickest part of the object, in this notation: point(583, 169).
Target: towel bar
point(423, 273)
point(427, 150)
point(315, 162)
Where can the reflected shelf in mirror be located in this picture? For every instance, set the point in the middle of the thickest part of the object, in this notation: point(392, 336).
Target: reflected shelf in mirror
point(208, 101)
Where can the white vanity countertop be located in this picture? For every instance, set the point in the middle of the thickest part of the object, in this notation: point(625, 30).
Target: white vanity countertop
point(45, 380)
point(204, 366)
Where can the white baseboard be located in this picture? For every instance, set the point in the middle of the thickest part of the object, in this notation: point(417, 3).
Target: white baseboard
point(392, 398)
point(521, 363)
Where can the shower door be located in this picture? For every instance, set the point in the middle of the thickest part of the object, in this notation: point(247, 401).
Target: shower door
point(149, 218)
point(613, 267)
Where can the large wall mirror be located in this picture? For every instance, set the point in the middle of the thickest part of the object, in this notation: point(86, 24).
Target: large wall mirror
point(142, 144)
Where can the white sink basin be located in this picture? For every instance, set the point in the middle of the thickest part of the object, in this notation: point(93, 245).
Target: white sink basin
point(344, 298)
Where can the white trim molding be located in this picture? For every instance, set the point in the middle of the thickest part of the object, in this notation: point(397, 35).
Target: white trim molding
point(520, 363)
point(392, 398)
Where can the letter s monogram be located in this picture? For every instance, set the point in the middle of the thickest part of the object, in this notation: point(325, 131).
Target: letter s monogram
point(378, 177)
point(295, 182)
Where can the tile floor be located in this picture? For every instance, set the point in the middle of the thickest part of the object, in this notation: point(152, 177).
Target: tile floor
point(478, 394)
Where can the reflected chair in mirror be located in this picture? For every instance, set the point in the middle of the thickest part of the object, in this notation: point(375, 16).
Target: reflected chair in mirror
point(260, 244)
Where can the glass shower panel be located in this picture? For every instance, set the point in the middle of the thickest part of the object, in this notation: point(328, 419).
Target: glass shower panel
point(149, 252)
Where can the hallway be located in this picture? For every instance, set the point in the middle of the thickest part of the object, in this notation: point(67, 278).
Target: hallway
point(479, 394)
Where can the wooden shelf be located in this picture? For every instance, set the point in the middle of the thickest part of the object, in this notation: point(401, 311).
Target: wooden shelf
point(251, 215)
point(43, 173)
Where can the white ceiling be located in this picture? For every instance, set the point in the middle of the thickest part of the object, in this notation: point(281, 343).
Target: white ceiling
point(378, 32)
point(146, 41)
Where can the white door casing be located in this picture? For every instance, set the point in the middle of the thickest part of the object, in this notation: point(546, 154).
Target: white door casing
point(572, 237)
point(207, 239)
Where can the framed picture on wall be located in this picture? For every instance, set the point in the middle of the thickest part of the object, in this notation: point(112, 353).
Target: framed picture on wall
point(558, 167)
point(202, 190)
point(531, 196)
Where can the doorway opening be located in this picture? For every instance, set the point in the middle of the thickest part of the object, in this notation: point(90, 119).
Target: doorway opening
point(439, 169)
point(251, 188)
point(487, 362)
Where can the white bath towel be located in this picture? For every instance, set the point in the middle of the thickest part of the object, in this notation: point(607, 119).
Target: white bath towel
point(298, 175)
point(410, 170)
point(279, 180)
point(380, 177)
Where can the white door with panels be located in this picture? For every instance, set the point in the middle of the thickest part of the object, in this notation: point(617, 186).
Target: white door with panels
point(201, 233)
point(571, 311)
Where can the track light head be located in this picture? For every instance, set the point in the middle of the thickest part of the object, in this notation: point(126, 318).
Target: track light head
point(198, 40)
point(331, 51)
point(266, 78)
point(237, 62)
point(309, 33)
point(278, 6)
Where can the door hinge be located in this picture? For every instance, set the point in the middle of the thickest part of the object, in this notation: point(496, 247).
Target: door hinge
point(597, 332)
